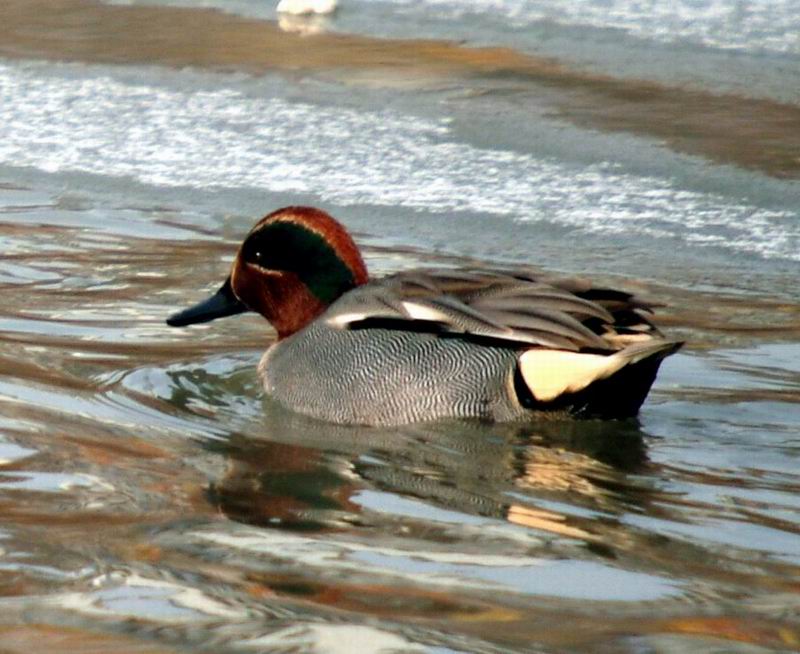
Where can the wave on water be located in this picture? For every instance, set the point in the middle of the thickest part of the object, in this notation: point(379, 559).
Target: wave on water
point(772, 25)
point(69, 119)
point(768, 25)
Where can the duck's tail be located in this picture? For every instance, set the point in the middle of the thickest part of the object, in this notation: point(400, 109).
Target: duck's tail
point(588, 384)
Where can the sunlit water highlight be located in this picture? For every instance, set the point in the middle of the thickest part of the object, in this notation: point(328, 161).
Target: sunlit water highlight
point(151, 500)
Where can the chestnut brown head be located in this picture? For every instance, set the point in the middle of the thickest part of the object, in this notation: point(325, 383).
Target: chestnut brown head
point(291, 266)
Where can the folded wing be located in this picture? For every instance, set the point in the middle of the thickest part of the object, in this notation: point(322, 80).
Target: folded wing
point(513, 306)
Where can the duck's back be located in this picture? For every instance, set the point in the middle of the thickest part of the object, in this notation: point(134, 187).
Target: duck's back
point(387, 377)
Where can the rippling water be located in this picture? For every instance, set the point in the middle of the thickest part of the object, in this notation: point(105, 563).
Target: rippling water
point(153, 501)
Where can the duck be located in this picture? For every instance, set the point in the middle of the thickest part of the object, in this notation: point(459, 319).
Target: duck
point(491, 344)
point(306, 7)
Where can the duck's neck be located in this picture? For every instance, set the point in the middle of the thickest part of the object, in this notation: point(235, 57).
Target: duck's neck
point(291, 306)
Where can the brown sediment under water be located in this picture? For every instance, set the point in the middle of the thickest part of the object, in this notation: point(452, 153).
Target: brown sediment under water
point(754, 133)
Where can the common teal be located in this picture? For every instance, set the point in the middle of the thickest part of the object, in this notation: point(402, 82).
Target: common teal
point(422, 345)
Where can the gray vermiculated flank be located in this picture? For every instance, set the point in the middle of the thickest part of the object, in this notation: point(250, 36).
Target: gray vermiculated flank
point(388, 377)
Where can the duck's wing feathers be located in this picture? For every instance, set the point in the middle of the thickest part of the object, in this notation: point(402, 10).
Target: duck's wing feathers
point(516, 306)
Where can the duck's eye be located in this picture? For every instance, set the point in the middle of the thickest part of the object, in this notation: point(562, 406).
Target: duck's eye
point(257, 257)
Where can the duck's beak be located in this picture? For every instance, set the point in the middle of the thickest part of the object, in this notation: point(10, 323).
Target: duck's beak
point(223, 303)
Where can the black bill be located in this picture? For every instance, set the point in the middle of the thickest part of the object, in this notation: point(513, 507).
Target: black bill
point(223, 303)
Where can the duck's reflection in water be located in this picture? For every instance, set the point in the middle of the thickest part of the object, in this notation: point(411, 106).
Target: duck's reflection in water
point(555, 477)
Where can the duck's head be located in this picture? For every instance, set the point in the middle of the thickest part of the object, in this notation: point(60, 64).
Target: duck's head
point(293, 264)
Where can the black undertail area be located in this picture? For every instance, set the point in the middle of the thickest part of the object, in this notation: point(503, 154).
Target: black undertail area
point(618, 396)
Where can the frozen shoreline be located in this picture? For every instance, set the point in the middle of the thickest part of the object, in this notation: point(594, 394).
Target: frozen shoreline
point(758, 134)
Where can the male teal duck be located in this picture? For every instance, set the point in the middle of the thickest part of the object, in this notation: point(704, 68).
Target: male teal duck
point(428, 344)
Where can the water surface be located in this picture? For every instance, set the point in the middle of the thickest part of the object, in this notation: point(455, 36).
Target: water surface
point(153, 501)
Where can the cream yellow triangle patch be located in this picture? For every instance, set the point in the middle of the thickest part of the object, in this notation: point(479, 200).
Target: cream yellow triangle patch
point(551, 373)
